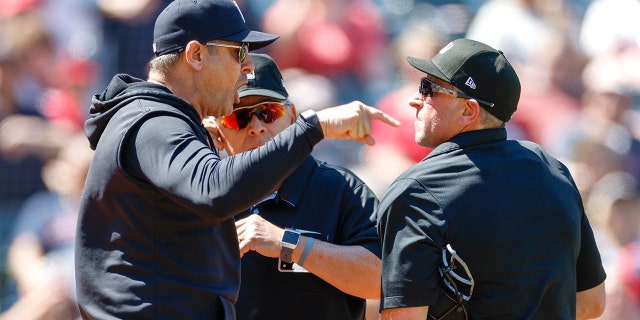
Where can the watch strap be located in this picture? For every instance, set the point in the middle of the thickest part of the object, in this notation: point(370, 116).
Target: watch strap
point(286, 254)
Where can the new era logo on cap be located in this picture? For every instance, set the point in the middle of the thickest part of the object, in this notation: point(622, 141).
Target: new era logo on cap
point(470, 83)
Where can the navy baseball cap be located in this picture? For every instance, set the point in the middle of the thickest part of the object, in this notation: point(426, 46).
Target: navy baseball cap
point(266, 79)
point(203, 20)
point(479, 71)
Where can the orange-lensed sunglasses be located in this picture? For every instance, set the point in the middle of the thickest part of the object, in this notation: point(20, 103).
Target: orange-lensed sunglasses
point(268, 112)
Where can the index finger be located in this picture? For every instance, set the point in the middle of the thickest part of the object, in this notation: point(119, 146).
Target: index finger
point(381, 116)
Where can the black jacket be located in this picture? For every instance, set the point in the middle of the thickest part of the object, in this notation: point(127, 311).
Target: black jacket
point(156, 238)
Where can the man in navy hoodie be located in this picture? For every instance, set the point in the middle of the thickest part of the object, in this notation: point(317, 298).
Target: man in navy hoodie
point(156, 237)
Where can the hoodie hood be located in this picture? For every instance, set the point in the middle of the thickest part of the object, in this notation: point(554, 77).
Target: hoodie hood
point(121, 91)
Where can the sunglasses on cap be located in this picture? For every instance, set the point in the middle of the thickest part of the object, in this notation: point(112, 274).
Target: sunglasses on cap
point(242, 54)
point(268, 112)
point(428, 87)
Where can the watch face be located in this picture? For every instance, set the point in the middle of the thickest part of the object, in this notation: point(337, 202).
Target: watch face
point(290, 237)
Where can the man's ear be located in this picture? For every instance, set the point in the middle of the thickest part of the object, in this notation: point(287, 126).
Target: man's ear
point(470, 113)
point(194, 54)
point(294, 114)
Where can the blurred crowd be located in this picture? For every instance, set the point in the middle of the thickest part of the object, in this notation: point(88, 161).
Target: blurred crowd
point(578, 61)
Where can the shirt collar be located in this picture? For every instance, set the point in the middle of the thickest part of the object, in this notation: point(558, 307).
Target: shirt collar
point(468, 139)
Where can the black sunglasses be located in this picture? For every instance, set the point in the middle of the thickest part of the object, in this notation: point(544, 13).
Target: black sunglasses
point(428, 87)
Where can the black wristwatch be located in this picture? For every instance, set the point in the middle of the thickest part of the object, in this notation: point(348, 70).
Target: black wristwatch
point(289, 242)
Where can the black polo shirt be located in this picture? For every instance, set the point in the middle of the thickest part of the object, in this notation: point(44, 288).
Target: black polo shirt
point(320, 198)
point(510, 210)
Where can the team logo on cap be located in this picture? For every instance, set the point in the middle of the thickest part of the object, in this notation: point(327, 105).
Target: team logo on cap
point(251, 76)
point(240, 11)
point(446, 48)
point(470, 83)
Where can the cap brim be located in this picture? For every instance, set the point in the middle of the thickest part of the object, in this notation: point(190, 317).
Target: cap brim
point(261, 92)
point(428, 67)
point(256, 39)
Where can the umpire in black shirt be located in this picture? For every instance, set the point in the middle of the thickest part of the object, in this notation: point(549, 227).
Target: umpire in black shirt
point(496, 224)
